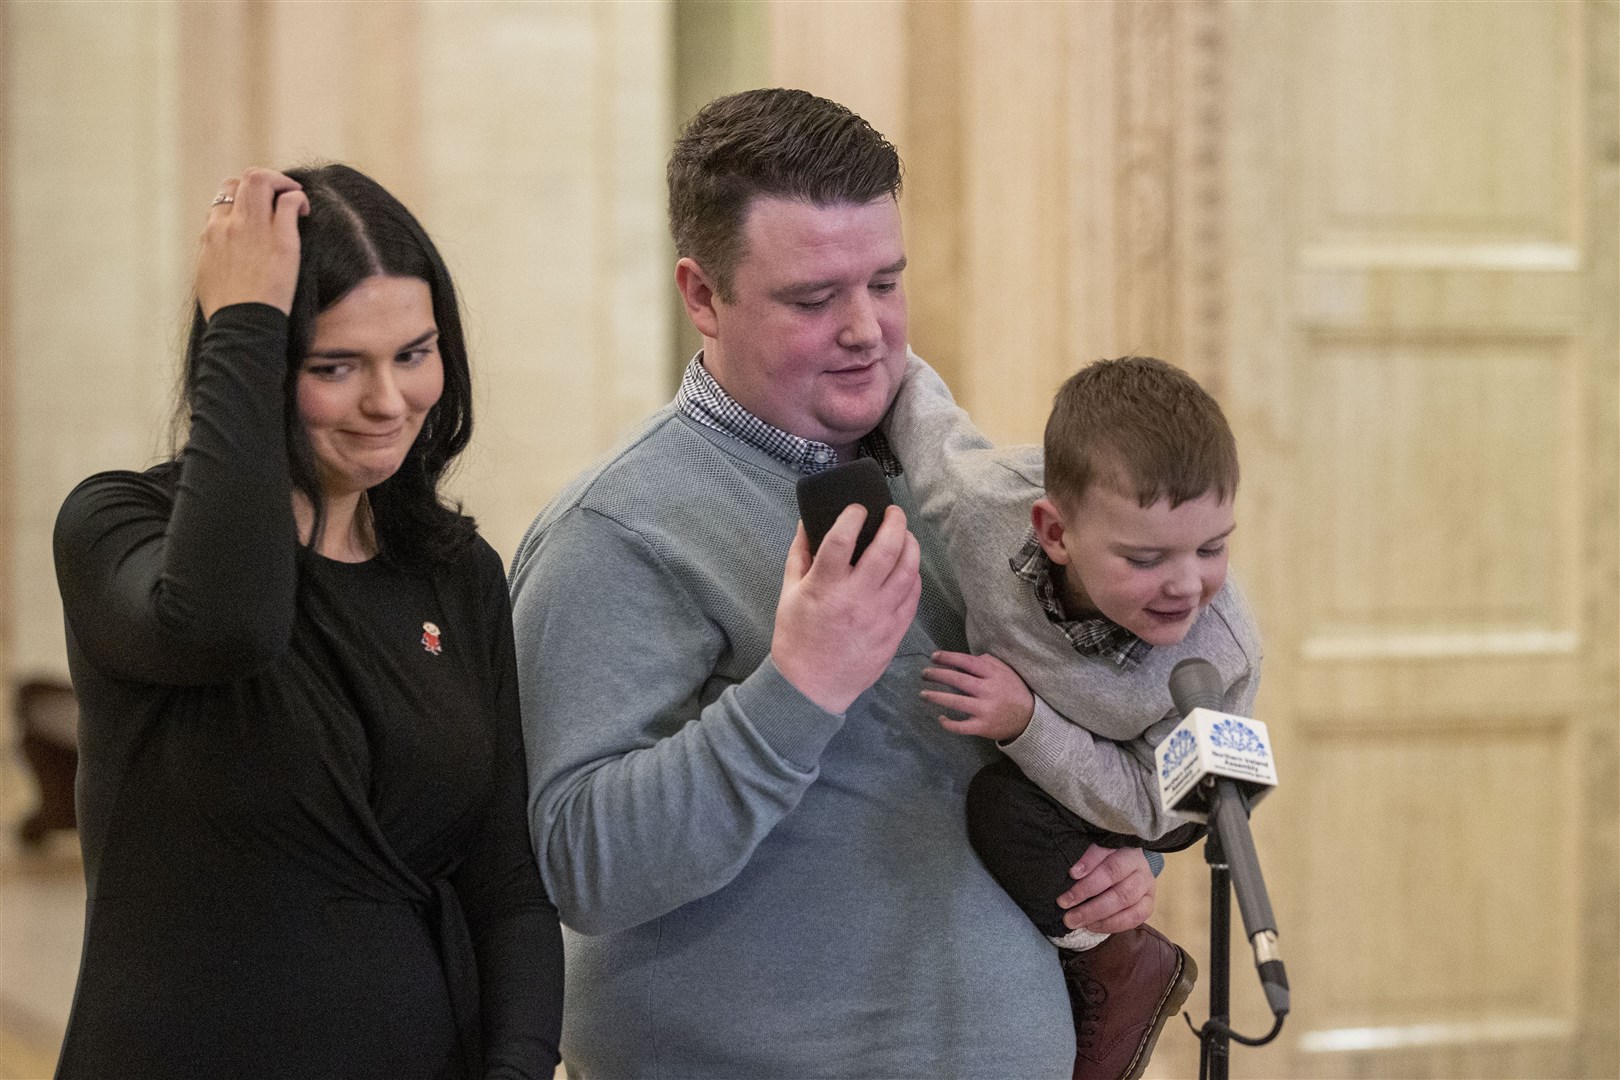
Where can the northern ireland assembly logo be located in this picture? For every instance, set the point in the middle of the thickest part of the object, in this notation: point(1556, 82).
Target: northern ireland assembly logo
point(1234, 735)
point(1206, 745)
point(1182, 745)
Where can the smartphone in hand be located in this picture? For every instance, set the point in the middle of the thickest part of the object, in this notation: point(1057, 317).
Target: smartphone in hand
point(824, 496)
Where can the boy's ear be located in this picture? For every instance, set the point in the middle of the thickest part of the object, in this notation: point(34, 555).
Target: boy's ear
point(1049, 529)
point(699, 296)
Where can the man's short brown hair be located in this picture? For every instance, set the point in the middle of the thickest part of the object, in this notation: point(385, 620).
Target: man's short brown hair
point(787, 144)
point(1142, 425)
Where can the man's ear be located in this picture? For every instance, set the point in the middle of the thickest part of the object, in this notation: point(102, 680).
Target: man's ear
point(1049, 529)
point(700, 297)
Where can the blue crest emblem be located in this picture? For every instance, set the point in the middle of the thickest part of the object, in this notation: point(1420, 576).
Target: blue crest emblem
point(1240, 738)
point(1182, 746)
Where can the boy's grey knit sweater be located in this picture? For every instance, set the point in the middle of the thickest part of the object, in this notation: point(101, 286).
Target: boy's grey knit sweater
point(754, 887)
point(1090, 743)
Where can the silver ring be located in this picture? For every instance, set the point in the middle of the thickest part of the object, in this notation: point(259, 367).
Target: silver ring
point(222, 198)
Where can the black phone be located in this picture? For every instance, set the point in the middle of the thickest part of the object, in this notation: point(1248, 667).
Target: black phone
point(823, 496)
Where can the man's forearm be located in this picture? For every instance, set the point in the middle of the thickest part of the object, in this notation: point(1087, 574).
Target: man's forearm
point(635, 837)
point(640, 801)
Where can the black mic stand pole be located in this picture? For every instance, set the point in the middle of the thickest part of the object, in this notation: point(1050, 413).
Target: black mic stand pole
point(1216, 1034)
point(1214, 1057)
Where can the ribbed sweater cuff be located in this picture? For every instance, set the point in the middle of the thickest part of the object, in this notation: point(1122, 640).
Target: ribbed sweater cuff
point(793, 725)
point(1044, 744)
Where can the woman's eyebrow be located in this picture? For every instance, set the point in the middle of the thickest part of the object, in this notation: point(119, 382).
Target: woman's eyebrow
point(349, 354)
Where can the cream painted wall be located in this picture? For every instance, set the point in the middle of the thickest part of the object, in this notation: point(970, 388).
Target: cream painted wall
point(96, 287)
point(543, 132)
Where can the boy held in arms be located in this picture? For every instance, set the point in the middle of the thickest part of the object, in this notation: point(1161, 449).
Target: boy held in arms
point(1087, 580)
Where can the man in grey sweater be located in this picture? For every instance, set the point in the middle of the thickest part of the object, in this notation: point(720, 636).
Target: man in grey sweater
point(747, 817)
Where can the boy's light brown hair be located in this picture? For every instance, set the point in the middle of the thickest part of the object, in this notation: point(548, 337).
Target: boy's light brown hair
point(776, 143)
point(1143, 426)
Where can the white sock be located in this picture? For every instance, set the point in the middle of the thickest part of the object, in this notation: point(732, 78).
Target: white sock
point(1079, 940)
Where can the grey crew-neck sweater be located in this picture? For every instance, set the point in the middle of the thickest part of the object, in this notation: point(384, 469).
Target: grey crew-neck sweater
point(750, 886)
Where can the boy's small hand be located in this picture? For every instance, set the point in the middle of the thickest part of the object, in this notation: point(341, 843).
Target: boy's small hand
point(995, 700)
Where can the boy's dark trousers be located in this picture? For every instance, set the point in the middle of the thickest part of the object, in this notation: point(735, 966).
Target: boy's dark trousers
point(1028, 840)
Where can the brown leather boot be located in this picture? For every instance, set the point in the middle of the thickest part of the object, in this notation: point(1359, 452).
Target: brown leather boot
point(1122, 992)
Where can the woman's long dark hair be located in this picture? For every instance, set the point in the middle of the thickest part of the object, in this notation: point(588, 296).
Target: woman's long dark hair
point(355, 229)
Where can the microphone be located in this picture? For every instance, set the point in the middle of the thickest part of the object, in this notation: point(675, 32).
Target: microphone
point(824, 495)
point(1214, 767)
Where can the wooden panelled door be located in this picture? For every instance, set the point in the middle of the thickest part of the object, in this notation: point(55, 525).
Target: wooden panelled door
point(1423, 368)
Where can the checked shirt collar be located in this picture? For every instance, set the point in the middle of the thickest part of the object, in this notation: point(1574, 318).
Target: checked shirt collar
point(702, 399)
point(1095, 636)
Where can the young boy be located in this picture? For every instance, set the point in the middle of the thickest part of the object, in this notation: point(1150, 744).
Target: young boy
point(1087, 580)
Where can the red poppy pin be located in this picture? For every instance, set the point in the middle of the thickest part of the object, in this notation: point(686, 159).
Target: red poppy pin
point(430, 639)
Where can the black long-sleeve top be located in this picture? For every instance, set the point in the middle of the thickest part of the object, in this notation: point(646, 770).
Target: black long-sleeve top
point(301, 789)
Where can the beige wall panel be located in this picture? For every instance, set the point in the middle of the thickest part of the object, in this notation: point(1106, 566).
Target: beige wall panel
point(549, 209)
point(1015, 325)
point(1474, 680)
point(1146, 260)
point(1198, 196)
point(1534, 1051)
point(1145, 255)
point(931, 205)
point(1454, 468)
point(8, 492)
point(1090, 164)
point(852, 53)
point(721, 47)
point(340, 83)
point(311, 59)
point(223, 108)
point(1467, 940)
point(1423, 388)
point(1599, 1046)
point(1438, 299)
point(1409, 142)
point(1090, 194)
point(383, 120)
point(97, 291)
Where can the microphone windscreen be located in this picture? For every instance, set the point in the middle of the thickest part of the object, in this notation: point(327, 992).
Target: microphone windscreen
point(1195, 684)
point(823, 496)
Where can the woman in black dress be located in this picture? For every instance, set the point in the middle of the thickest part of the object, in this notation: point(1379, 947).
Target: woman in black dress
point(302, 794)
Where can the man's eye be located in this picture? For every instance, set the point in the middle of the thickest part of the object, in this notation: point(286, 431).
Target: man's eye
point(1211, 552)
point(812, 305)
point(885, 286)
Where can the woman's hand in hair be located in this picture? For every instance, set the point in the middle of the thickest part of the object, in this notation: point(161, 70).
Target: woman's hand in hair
point(250, 244)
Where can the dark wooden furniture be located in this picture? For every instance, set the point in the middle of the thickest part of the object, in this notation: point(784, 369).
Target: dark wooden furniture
point(48, 716)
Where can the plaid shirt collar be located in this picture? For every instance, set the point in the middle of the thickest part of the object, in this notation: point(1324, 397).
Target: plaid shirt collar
point(702, 399)
point(1096, 636)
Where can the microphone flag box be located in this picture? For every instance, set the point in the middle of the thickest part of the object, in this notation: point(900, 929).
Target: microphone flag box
point(1207, 744)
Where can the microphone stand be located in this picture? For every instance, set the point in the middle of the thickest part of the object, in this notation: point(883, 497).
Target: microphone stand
point(1214, 1056)
point(1196, 684)
point(1216, 1034)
